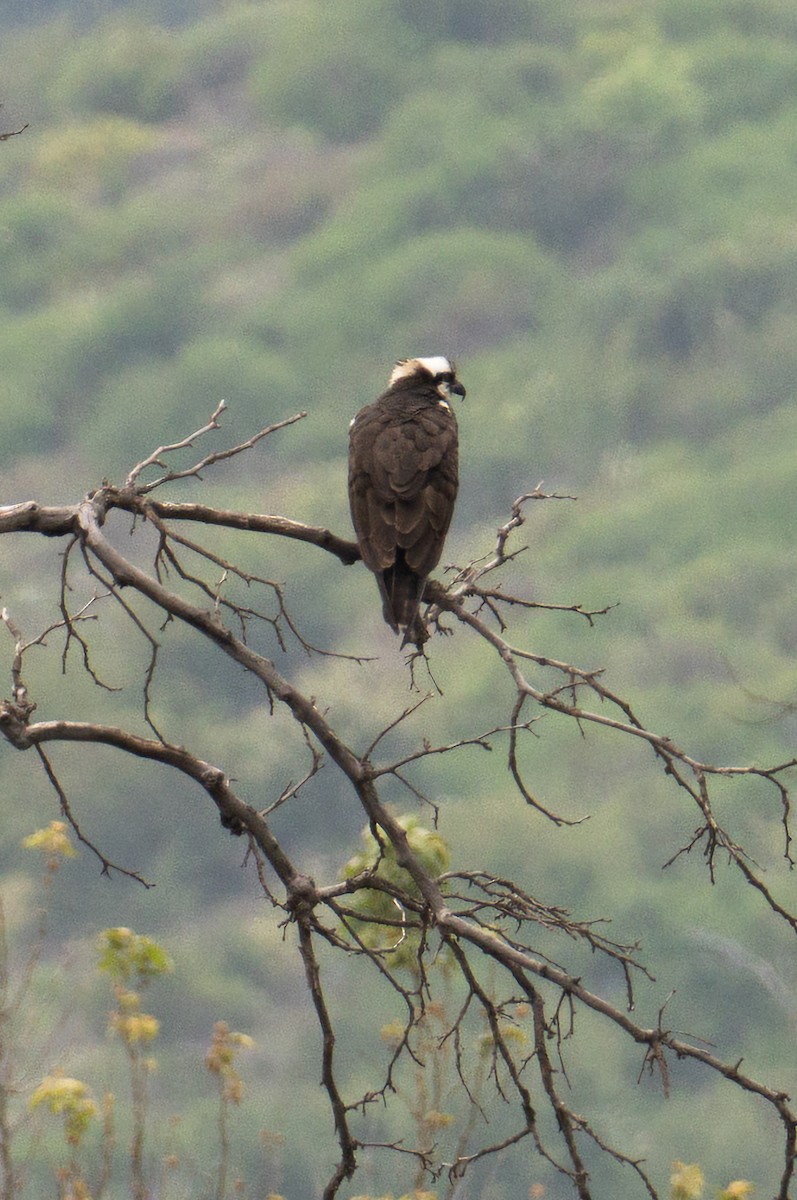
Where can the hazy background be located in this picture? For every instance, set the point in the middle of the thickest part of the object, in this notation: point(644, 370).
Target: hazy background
point(590, 206)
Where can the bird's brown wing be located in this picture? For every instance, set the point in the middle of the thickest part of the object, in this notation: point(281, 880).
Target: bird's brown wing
point(368, 506)
point(403, 473)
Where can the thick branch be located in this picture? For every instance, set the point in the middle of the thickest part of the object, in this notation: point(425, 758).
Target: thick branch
point(316, 535)
point(59, 520)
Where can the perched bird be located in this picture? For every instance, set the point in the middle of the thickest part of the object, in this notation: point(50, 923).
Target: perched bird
point(403, 459)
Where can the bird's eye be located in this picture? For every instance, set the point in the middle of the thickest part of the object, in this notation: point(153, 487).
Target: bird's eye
point(444, 377)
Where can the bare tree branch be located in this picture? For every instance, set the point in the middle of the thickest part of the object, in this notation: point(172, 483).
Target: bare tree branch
point(468, 917)
point(156, 457)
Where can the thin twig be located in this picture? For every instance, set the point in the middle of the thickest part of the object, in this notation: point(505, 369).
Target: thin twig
point(156, 457)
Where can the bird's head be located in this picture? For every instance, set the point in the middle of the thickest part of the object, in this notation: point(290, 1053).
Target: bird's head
point(440, 370)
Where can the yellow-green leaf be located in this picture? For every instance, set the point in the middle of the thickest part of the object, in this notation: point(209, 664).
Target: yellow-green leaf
point(687, 1181)
point(52, 841)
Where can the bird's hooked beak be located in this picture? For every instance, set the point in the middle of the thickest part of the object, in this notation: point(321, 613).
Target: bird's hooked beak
point(452, 389)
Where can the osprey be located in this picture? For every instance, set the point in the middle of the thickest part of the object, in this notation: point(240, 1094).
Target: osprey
point(403, 483)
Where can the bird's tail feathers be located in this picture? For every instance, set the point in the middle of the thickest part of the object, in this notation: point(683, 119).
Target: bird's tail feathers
point(401, 589)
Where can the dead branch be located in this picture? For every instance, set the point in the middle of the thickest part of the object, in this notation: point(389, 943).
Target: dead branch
point(156, 457)
point(471, 918)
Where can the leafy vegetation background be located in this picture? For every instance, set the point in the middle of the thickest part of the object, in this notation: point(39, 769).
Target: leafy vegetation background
point(591, 207)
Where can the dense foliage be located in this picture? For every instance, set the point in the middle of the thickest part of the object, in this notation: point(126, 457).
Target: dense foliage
point(591, 207)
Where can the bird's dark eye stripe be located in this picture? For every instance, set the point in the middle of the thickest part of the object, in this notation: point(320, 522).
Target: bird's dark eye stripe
point(444, 377)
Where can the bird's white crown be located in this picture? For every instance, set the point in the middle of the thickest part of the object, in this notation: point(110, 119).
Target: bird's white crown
point(436, 364)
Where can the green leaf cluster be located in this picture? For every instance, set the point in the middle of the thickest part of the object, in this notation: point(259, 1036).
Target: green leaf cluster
point(382, 925)
point(129, 957)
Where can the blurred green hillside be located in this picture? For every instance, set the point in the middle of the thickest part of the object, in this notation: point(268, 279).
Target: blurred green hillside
point(591, 207)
